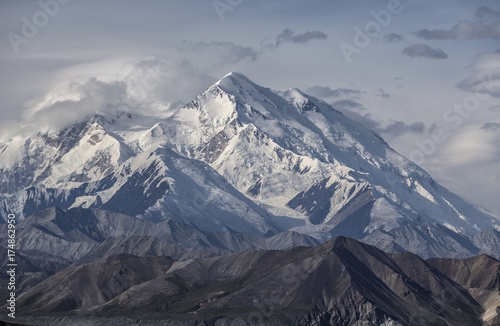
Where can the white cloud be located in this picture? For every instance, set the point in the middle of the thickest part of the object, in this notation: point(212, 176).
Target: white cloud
point(471, 144)
point(486, 76)
point(140, 85)
point(469, 164)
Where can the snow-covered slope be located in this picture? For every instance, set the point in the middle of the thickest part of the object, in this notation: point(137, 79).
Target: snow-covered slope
point(239, 158)
point(300, 158)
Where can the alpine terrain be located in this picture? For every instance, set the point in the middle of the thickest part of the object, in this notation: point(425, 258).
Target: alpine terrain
point(242, 158)
point(339, 282)
point(241, 207)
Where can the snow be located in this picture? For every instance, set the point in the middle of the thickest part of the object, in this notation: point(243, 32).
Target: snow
point(234, 136)
point(12, 151)
point(84, 201)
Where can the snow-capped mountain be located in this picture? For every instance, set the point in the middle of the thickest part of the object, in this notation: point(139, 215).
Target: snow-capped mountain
point(238, 158)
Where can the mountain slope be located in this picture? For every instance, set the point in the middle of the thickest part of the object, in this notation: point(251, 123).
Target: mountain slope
point(291, 151)
point(340, 282)
point(481, 276)
point(80, 233)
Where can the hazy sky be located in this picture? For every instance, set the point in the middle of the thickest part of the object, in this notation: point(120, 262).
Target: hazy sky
point(424, 74)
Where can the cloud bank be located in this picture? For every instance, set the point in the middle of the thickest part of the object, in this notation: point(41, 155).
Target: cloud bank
point(146, 84)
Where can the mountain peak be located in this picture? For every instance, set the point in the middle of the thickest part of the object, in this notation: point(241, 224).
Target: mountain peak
point(261, 160)
point(234, 81)
point(235, 76)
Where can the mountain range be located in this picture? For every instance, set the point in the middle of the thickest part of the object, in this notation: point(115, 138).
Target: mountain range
point(242, 158)
point(339, 282)
point(244, 205)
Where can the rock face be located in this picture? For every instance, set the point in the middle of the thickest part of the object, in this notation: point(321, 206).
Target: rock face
point(339, 282)
point(242, 158)
point(480, 275)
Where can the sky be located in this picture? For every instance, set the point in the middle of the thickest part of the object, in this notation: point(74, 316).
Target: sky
point(423, 74)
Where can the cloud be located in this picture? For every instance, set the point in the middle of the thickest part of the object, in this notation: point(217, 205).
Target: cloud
point(221, 53)
point(146, 84)
point(422, 50)
point(326, 92)
point(391, 131)
point(466, 29)
point(383, 94)
point(435, 34)
point(94, 96)
point(471, 144)
point(491, 126)
point(486, 11)
point(470, 159)
point(288, 36)
point(347, 105)
point(399, 128)
point(486, 76)
point(358, 112)
point(392, 38)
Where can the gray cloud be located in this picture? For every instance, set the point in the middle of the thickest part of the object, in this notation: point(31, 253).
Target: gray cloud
point(435, 34)
point(347, 105)
point(392, 38)
point(422, 50)
point(357, 112)
point(229, 53)
point(466, 29)
point(491, 126)
point(289, 36)
point(365, 119)
point(486, 11)
point(224, 53)
point(483, 83)
point(325, 92)
point(399, 128)
point(391, 131)
point(383, 94)
point(486, 78)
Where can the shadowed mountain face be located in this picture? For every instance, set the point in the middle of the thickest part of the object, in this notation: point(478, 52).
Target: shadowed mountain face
point(53, 239)
point(481, 276)
point(340, 282)
point(78, 233)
